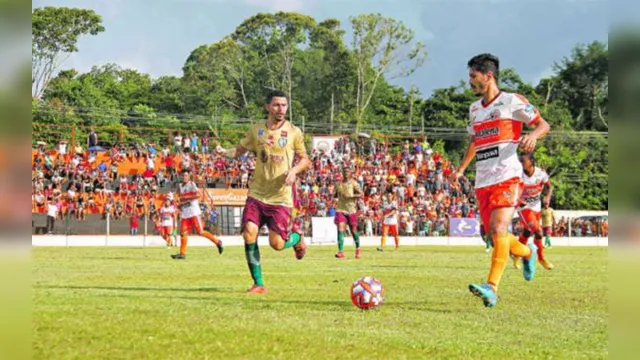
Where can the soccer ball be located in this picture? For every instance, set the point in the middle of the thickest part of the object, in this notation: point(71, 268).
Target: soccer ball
point(367, 293)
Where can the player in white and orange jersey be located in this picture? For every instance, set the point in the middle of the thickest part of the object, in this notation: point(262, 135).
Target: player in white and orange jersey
point(191, 215)
point(168, 219)
point(390, 223)
point(496, 122)
point(535, 181)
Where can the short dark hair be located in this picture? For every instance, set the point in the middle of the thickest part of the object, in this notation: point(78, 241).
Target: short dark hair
point(529, 156)
point(275, 93)
point(485, 63)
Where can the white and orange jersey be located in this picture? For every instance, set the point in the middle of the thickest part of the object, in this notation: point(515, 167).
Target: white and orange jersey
point(533, 189)
point(496, 128)
point(389, 218)
point(191, 208)
point(167, 215)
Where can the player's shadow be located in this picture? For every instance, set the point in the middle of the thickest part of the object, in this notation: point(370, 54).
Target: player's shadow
point(134, 288)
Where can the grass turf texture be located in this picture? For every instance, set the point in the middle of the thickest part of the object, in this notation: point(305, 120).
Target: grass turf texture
point(117, 303)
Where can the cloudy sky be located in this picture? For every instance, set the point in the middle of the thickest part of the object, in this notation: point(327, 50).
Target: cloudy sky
point(156, 36)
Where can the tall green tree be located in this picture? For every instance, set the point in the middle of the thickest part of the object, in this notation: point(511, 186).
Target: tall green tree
point(277, 39)
point(382, 47)
point(54, 36)
point(583, 83)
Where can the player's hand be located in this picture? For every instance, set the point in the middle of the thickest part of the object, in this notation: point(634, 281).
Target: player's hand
point(290, 178)
point(455, 177)
point(528, 143)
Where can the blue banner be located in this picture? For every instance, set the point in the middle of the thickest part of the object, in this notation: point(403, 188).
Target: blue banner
point(464, 227)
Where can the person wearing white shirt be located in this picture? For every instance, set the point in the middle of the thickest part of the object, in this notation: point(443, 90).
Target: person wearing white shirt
point(52, 214)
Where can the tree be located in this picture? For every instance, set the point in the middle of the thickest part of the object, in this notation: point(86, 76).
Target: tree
point(583, 82)
point(276, 38)
point(55, 31)
point(381, 46)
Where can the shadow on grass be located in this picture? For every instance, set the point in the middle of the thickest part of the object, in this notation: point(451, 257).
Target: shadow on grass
point(137, 288)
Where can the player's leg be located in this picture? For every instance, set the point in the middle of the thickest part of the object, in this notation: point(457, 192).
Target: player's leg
point(278, 219)
point(394, 231)
point(497, 205)
point(185, 226)
point(342, 225)
point(166, 234)
point(353, 226)
point(199, 227)
point(252, 254)
point(383, 239)
point(526, 217)
point(251, 222)
point(340, 221)
point(547, 236)
point(537, 239)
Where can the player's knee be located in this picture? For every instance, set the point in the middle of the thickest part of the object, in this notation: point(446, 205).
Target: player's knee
point(276, 241)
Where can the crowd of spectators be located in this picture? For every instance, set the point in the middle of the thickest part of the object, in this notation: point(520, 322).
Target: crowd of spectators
point(83, 181)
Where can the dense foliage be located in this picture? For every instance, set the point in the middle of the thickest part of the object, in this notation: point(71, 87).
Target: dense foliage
point(334, 88)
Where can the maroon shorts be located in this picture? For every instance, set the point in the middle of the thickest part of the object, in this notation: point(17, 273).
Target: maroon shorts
point(277, 217)
point(547, 230)
point(350, 219)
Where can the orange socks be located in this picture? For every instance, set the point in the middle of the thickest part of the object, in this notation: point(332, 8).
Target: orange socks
point(211, 237)
point(498, 259)
point(397, 240)
point(383, 241)
point(517, 248)
point(183, 244)
point(503, 244)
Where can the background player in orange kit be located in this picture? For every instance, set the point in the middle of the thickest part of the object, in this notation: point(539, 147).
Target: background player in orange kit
point(168, 220)
point(535, 181)
point(496, 122)
point(191, 215)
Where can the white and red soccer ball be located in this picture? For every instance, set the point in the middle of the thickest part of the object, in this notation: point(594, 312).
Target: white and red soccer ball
point(367, 293)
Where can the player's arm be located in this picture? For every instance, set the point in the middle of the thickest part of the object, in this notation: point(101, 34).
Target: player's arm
point(357, 191)
point(549, 187)
point(246, 144)
point(304, 161)
point(469, 155)
point(530, 115)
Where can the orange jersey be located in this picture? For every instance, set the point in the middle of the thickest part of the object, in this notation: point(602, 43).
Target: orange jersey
point(495, 129)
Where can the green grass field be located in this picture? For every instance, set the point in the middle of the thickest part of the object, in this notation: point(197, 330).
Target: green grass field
point(117, 303)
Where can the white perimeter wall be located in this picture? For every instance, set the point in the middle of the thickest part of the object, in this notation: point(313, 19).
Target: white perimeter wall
point(152, 240)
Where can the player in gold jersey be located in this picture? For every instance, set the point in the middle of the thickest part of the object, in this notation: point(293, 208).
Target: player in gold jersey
point(348, 192)
point(270, 199)
point(548, 219)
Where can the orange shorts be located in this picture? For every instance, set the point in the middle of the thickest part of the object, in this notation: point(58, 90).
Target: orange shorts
point(193, 223)
point(166, 230)
point(530, 219)
point(503, 194)
point(390, 229)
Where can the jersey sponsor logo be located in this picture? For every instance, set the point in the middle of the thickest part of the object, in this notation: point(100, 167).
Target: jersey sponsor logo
point(499, 103)
point(486, 154)
point(278, 159)
point(260, 132)
point(282, 142)
point(494, 114)
point(488, 132)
